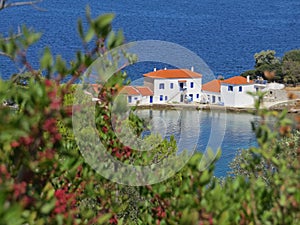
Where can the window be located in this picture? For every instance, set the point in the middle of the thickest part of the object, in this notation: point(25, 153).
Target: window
point(171, 85)
point(166, 98)
point(213, 99)
point(240, 88)
point(219, 99)
point(230, 88)
point(135, 98)
point(192, 84)
point(182, 86)
point(161, 86)
point(161, 97)
point(197, 95)
point(129, 99)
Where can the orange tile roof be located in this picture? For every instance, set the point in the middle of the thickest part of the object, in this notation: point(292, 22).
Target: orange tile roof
point(212, 86)
point(145, 91)
point(237, 80)
point(173, 73)
point(129, 90)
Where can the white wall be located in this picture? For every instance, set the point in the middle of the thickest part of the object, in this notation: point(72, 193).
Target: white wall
point(138, 98)
point(134, 99)
point(145, 100)
point(210, 95)
point(173, 95)
point(236, 98)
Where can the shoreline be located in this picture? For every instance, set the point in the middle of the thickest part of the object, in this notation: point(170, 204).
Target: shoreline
point(198, 107)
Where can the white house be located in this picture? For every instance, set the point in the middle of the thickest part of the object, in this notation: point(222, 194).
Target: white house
point(174, 85)
point(212, 92)
point(234, 91)
point(138, 95)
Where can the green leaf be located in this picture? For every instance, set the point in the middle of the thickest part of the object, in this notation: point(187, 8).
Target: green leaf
point(46, 208)
point(80, 29)
point(89, 35)
point(47, 59)
point(104, 20)
point(204, 178)
point(104, 218)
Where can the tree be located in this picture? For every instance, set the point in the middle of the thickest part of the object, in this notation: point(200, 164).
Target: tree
point(291, 67)
point(265, 57)
point(267, 65)
point(293, 55)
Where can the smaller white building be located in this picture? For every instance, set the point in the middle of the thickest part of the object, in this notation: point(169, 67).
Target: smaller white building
point(174, 85)
point(234, 92)
point(138, 95)
point(212, 92)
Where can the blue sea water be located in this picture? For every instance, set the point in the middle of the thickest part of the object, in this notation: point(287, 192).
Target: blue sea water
point(224, 33)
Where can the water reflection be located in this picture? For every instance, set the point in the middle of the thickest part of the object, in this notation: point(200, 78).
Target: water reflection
point(200, 130)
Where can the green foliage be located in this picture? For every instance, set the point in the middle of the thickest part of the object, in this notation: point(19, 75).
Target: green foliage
point(293, 55)
point(291, 67)
point(251, 73)
point(272, 68)
point(265, 57)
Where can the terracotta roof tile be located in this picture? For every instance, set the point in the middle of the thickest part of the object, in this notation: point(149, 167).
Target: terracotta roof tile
point(145, 91)
point(237, 80)
point(173, 73)
point(129, 90)
point(212, 86)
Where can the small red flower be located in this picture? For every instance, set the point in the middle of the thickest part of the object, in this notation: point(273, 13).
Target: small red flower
point(57, 137)
point(48, 154)
point(15, 144)
point(48, 83)
point(19, 189)
point(104, 129)
point(55, 104)
point(106, 117)
point(52, 94)
point(119, 155)
point(27, 201)
point(26, 140)
point(113, 220)
point(50, 125)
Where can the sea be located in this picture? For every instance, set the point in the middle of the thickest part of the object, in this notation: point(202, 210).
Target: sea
point(225, 34)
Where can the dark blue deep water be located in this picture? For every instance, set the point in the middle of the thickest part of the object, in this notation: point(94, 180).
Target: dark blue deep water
point(224, 33)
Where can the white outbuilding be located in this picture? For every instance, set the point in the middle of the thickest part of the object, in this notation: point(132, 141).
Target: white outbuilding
point(234, 92)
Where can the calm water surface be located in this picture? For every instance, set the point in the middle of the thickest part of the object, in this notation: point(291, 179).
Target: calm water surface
point(225, 33)
point(203, 129)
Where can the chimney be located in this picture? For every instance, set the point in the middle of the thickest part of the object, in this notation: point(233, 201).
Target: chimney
point(154, 69)
point(248, 79)
point(192, 69)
